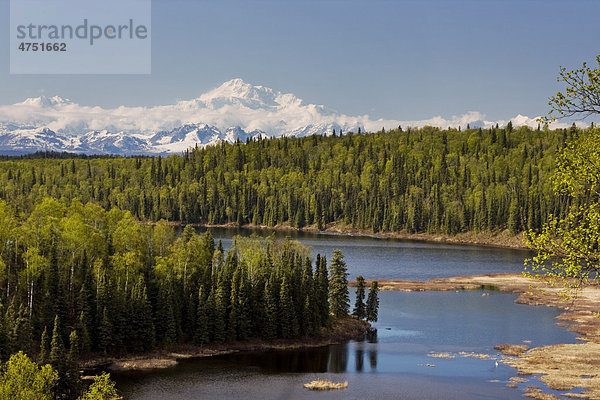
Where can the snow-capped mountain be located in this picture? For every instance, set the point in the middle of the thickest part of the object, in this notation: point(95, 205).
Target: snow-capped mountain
point(236, 110)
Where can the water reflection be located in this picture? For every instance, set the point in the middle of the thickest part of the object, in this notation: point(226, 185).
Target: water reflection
point(412, 325)
point(372, 336)
point(388, 258)
point(359, 359)
point(373, 359)
point(338, 359)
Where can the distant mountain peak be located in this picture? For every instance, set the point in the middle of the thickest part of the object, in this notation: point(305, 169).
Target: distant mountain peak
point(236, 91)
point(43, 101)
point(235, 110)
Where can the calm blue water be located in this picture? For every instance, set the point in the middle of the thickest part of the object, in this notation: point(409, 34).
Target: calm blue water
point(393, 364)
point(400, 259)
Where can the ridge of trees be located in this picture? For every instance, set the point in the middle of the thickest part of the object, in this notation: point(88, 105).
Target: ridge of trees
point(414, 180)
point(76, 279)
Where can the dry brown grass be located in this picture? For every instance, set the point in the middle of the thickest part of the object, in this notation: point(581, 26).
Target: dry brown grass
point(535, 392)
point(511, 349)
point(565, 366)
point(324, 384)
point(441, 355)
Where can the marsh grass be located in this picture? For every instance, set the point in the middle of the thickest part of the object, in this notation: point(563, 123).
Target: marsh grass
point(324, 384)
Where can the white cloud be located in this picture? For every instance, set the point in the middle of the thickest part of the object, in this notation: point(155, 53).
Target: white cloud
point(235, 103)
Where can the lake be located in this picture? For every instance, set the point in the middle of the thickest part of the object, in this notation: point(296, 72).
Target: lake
point(396, 362)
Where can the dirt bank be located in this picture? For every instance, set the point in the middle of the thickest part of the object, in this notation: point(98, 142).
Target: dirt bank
point(563, 366)
point(343, 330)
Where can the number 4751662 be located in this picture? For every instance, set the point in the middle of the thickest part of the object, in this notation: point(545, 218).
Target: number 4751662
point(24, 46)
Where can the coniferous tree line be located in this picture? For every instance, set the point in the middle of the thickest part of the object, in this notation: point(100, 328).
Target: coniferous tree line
point(76, 280)
point(414, 180)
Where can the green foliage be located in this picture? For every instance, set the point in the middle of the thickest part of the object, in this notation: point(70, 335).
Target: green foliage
point(567, 247)
point(44, 357)
point(416, 180)
point(103, 388)
point(22, 379)
point(339, 300)
point(57, 349)
point(580, 95)
point(372, 308)
point(359, 305)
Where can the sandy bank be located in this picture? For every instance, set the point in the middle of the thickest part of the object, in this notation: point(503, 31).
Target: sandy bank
point(563, 366)
point(342, 330)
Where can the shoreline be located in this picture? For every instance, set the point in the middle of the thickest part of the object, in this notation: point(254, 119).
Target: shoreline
point(342, 331)
point(563, 367)
point(501, 239)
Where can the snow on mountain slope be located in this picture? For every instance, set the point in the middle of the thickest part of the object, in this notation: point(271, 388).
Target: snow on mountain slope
point(236, 110)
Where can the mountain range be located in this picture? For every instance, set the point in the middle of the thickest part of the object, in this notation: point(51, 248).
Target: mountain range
point(236, 110)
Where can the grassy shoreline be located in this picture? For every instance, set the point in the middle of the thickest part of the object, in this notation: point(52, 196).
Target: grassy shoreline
point(502, 239)
point(562, 366)
point(343, 330)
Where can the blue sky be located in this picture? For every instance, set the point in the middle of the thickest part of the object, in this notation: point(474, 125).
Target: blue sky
point(390, 59)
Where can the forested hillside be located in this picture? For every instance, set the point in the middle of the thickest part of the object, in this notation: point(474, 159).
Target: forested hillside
point(417, 180)
point(75, 279)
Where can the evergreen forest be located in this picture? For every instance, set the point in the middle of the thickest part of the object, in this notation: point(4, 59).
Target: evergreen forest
point(414, 180)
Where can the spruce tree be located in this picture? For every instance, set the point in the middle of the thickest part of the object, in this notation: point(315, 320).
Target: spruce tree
point(201, 334)
point(23, 330)
point(322, 290)
point(72, 379)
point(220, 315)
point(57, 349)
point(359, 305)
point(373, 302)
point(339, 300)
point(244, 323)
point(104, 332)
point(85, 343)
point(58, 359)
point(234, 311)
point(269, 327)
point(45, 348)
point(287, 317)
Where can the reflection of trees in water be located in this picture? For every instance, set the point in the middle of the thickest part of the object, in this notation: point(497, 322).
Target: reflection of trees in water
point(333, 358)
point(359, 359)
point(338, 358)
point(372, 336)
point(373, 359)
point(312, 360)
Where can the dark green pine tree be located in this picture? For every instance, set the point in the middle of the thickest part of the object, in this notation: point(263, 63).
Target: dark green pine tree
point(234, 310)
point(58, 357)
point(244, 323)
point(72, 377)
point(85, 343)
point(220, 315)
point(373, 302)
point(171, 325)
point(309, 312)
point(202, 334)
point(339, 300)
point(45, 348)
point(322, 290)
point(287, 317)
point(23, 331)
point(359, 305)
point(210, 308)
point(105, 333)
point(269, 327)
point(143, 308)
